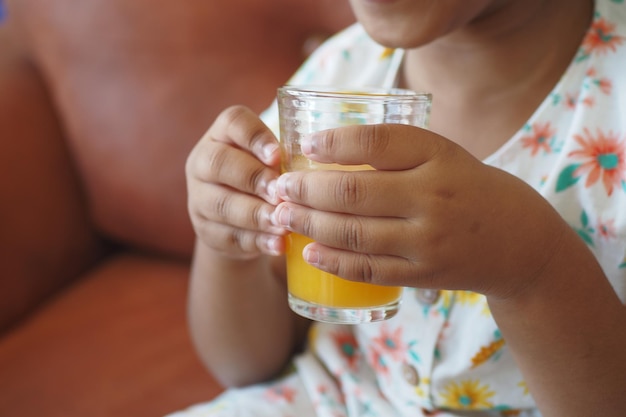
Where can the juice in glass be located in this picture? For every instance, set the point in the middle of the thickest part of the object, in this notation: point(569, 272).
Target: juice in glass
point(308, 283)
point(313, 293)
point(323, 296)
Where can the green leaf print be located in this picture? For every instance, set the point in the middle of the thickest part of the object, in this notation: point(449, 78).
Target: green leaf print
point(585, 236)
point(414, 355)
point(585, 232)
point(584, 219)
point(581, 55)
point(566, 178)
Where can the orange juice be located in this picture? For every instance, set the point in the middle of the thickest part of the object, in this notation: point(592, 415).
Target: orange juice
point(305, 110)
point(312, 285)
point(321, 288)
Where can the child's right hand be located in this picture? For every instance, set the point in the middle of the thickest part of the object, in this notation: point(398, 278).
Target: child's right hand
point(231, 176)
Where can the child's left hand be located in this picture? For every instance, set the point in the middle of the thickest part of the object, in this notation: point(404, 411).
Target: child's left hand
point(430, 216)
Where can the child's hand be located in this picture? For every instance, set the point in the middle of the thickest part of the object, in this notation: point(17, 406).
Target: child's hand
point(230, 176)
point(430, 216)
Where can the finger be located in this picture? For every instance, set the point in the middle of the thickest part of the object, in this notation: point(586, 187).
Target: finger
point(371, 235)
point(216, 162)
point(238, 243)
point(365, 193)
point(221, 204)
point(240, 126)
point(367, 268)
point(383, 146)
point(384, 251)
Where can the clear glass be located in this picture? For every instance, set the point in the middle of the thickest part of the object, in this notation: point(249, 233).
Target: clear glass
point(303, 110)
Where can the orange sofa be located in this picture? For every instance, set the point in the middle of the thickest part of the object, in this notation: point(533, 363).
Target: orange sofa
point(100, 103)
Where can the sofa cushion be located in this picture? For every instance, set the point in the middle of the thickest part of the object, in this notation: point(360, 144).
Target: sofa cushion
point(115, 344)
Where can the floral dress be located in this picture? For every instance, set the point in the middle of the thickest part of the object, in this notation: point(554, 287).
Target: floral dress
point(443, 354)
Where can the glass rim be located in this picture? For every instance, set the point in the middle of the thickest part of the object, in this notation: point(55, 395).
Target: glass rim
point(356, 93)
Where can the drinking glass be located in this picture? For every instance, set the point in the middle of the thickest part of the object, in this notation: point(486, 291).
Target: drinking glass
point(313, 293)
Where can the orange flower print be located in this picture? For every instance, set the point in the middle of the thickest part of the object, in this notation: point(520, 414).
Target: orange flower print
point(391, 343)
point(604, 84)
point(324, 396)
point(280, 393)
point(588, 102)
point(348, 347)
point(387, 346)
point(571, 100)
point(606, 229)
point(603, 158)
point(601, 38)
point(377, 362)
point(540, 139)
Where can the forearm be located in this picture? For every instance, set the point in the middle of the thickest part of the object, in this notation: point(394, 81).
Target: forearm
point(241, 324)
point(568, 335)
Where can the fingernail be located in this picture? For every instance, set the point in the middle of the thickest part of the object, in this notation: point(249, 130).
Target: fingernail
point(273, 245)
point(282, 184)
point(306, 145)
point(282, 216)
point(269, 151)
point(272, 193)
point(311, 256)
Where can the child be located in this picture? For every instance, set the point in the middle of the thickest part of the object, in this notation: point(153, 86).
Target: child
point(506, 222)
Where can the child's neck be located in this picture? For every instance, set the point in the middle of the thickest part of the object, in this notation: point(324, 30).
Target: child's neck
point(488, 78)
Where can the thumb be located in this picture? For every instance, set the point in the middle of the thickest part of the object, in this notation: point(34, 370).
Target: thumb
point(390, 147)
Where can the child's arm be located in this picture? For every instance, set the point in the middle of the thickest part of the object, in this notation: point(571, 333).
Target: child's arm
point(567, 332)
point(241, 323)
point(242, 326)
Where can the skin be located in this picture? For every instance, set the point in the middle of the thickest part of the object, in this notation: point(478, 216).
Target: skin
point(432, 215)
